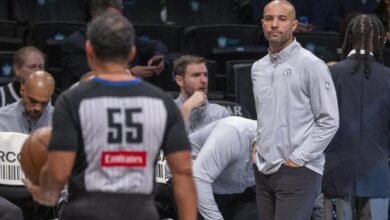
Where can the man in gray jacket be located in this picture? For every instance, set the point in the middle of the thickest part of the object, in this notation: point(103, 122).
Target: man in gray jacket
point(192, 78)
point(34, 109)
point(297, 117)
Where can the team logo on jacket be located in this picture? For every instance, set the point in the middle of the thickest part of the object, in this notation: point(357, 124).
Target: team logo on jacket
point(123, 159)
point(287, 72)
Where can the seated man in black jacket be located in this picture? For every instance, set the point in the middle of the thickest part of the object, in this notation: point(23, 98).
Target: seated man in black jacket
point(150, 58)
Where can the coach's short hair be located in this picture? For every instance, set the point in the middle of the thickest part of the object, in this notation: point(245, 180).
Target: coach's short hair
point(180, 65)
point(111, 36)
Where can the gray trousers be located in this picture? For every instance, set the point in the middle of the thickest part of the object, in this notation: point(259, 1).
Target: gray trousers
point(9, 211)
point(288, 193)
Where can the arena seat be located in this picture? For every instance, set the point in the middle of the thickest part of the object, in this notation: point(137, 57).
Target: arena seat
point(48, 36)
point(45, 10)
point(199, 12)
point(6, 73)
point(244, 87)
point(323, 44)
point(9, 36)
point(142, 11)
point(202, 39)
point(170, 35)
point(234, 108)
point(230, 76)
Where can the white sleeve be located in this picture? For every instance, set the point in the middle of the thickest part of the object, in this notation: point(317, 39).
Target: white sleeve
point(216, 154)
point(199, 137)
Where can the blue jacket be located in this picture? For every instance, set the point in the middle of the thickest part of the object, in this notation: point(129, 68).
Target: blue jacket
point(358, 154)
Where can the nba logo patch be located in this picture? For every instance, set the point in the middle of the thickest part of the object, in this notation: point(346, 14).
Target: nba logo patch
point(327, 85)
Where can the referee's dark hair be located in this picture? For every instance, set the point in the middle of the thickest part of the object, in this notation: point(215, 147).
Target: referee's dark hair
point(111, 37)
point(364, 32)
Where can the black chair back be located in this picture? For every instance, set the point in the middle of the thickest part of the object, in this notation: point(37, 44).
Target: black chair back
point(234, 108)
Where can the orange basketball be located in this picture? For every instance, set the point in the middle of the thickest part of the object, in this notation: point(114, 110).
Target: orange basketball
point(34, 153)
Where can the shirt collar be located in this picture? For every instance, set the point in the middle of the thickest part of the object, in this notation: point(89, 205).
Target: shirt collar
point(362, 51)
point(285, 53)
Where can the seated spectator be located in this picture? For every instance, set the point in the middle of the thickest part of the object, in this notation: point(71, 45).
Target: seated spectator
point(223, 169)
point(148, 63)
point(33, 110)
point(192, 78)
point(26, 61)
point(27, 114)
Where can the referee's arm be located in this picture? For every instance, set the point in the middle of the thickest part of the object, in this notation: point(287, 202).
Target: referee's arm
point(183, 184)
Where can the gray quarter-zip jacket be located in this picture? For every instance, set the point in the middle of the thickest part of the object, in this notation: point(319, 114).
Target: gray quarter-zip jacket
point(297, 111)
point(203, 115)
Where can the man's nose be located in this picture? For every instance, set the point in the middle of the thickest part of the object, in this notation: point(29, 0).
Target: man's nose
point(203, 78)
point(275, 23)
point(38, 107)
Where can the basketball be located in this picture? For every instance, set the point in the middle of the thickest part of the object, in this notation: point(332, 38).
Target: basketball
point(34, 153)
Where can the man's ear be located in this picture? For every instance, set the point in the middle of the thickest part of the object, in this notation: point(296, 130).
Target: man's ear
point(132, 54)
point(179, 80)
point(89, 50)
point(22, 89)
point(295, 24)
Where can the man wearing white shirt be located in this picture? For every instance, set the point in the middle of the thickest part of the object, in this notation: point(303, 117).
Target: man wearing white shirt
point(223, 169)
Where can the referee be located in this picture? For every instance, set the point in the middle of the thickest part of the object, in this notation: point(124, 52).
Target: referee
point(107, 133)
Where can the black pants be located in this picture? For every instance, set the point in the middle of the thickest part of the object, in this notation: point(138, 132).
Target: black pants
point(110, 206)
point(241, 206)
point(165, 200)
point(287, 194)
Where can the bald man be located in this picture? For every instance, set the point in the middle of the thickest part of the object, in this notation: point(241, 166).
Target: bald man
point(297, 117)
point(33, 110)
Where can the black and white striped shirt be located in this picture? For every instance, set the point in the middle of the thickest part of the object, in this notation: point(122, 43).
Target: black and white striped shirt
point(9, 93)
point(117, 130)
